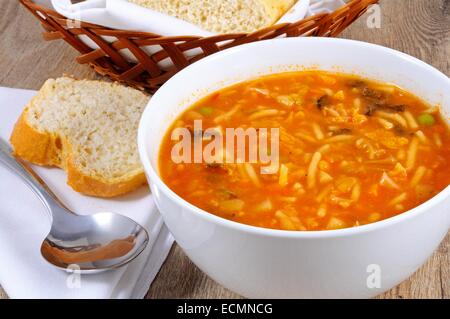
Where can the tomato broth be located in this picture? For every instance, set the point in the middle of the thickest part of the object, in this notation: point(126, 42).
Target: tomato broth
point(352, 151)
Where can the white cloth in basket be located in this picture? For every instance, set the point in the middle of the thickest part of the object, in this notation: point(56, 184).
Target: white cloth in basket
point(121, 14)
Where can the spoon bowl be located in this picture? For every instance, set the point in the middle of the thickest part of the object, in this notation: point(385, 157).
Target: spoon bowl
point(93, 243)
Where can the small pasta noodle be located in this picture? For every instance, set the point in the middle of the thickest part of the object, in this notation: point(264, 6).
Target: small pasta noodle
point(411, 154)
point(312, 169)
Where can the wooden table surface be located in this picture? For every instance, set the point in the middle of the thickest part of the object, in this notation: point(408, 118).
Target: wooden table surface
point(418, 27)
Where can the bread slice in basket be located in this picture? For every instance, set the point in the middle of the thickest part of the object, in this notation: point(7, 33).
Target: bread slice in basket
point(223, 16)
point(89, 129)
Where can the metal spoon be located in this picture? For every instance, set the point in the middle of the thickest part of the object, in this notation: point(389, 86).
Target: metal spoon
point(91, 243)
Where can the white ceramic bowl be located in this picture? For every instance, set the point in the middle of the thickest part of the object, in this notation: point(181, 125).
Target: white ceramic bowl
point(264, 263)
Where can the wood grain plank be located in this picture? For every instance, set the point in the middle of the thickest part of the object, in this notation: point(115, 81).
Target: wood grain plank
point(429, 282)
point(417, 27)
point(444, 265)
point(184, 280)
point(26, 61)
point(3, 294)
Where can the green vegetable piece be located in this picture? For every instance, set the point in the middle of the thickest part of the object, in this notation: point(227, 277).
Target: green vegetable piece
point(206, 111)
point(426, 119)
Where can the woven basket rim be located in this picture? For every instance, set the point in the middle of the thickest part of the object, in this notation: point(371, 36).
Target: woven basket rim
point(107, 31)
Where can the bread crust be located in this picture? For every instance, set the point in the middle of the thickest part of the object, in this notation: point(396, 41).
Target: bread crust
point(277, 8)
point(93, 186)
point(34, 146)
point(48, 149)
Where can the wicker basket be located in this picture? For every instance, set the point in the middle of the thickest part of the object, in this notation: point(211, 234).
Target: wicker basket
point(147, 72)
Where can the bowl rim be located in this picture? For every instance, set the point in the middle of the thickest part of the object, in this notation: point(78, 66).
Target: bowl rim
point(154, 178)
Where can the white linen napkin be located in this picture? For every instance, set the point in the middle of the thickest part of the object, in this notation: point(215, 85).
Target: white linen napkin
point(121, 14)
point(324, 6)
point(24, 224)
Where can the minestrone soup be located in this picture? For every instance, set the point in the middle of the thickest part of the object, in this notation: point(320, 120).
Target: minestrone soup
point(351, 152)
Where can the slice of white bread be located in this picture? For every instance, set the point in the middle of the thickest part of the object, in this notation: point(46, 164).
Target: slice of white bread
point(223, 16)
point(88, 128)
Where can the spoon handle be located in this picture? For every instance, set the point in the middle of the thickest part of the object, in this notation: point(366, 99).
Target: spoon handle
point(34, 182)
